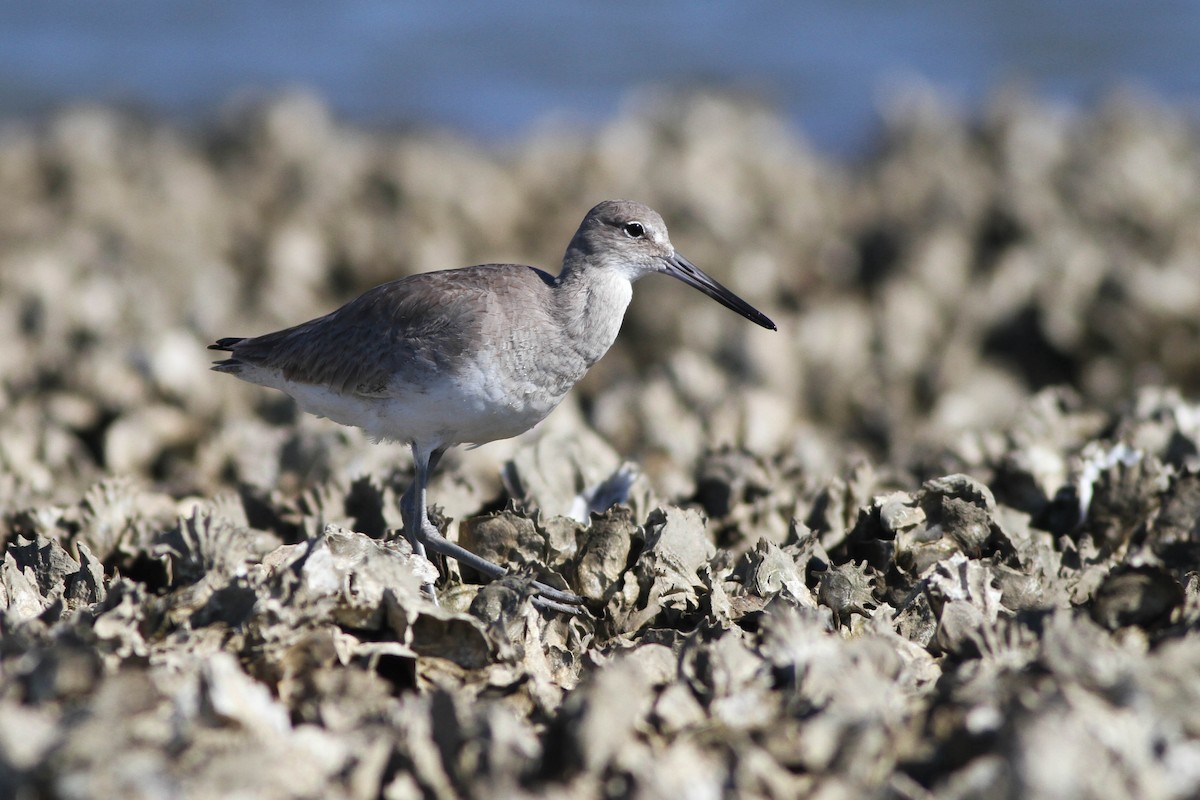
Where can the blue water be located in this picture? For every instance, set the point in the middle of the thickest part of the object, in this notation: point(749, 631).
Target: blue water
point(495, 69)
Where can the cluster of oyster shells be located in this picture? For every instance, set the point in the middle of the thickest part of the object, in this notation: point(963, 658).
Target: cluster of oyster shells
point(937, 537)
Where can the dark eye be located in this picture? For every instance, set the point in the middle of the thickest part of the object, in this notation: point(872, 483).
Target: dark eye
point(634, 230)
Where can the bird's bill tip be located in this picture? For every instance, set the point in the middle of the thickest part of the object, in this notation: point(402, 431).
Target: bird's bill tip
point(679, 267)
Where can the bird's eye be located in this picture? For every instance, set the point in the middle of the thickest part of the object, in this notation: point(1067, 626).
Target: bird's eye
point(634, 230)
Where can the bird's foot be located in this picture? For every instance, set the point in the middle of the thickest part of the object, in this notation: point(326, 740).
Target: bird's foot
point(550, 605)
point(547, 597)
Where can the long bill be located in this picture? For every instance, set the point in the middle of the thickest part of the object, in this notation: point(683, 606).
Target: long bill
point(679, 267)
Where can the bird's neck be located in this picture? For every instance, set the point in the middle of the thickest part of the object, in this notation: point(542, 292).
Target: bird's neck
point(591, 305)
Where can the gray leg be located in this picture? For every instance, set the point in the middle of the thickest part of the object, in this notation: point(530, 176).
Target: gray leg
point(443, 546)
point(412, 524)
point(421, 533)
point(435, 458)
point(412, 510)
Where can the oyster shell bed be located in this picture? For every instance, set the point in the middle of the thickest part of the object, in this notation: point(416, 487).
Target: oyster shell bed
point(937, 537)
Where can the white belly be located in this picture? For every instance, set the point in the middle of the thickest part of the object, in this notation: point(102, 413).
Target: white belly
point(464, 409)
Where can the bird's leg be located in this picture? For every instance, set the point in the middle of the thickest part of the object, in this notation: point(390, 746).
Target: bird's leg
point(411, 525)
point(420, 515)
point(443, 546)
point(422, 533)
point(412, 509)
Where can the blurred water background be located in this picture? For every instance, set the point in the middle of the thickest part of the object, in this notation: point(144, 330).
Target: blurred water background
point(494, 70)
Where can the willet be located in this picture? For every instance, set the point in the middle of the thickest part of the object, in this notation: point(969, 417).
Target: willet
point(471, 355)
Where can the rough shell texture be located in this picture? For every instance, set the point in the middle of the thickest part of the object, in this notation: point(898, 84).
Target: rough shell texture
point(937, 537)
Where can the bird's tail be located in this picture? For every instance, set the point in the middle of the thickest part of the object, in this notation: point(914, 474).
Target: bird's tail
point(227, 343)
point(231, 365)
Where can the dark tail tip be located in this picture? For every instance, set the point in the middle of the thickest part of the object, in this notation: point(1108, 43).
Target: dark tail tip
point(230, 365)
point(227, 343)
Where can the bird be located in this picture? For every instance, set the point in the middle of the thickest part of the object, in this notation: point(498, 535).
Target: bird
point(471, 355)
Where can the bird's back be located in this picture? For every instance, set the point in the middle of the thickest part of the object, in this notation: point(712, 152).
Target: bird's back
point(473, 354)
point(400, 331)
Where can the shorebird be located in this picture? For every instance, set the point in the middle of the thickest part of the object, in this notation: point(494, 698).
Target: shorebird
point(471, 355)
